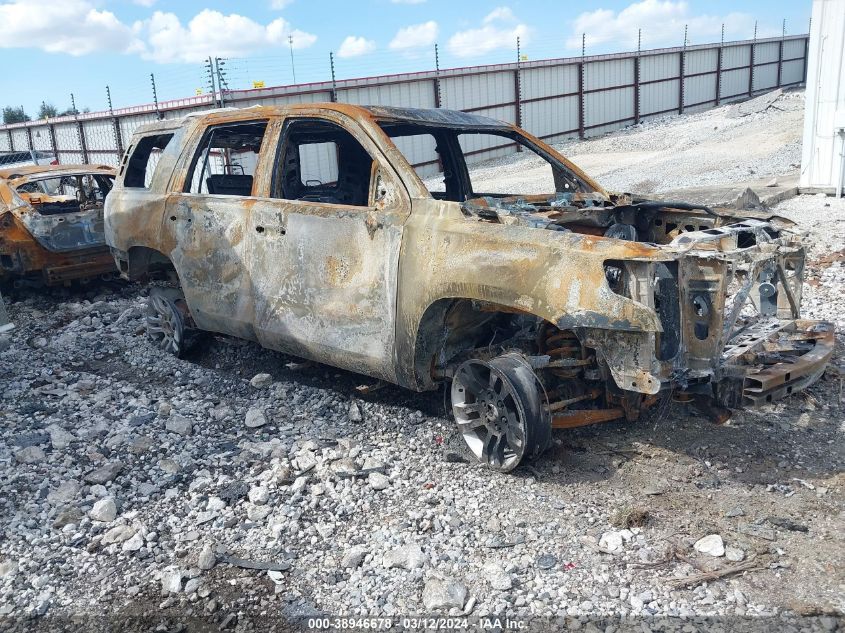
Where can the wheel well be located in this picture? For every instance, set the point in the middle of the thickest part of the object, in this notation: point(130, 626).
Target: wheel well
point(146, 263)
point(450, 327)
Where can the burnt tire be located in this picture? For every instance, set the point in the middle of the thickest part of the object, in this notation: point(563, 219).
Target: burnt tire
point(165, 321)
point(498, 407)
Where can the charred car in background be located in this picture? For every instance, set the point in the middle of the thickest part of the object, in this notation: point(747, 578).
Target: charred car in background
point(369, 239)
point(51, 223)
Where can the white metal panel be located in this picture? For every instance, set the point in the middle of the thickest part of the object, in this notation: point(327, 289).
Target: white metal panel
point(604, 107)
point(553, 116)
point(766, 52)
point(659, 97)
point(99, 134)
point(41, 138)
point(606, 74)
point(71, 158)
point(20, 139)
point(765, 77)
point(549, 80)
point(420, 152)
point(604, 129)
point(420, 94)
point(472, 91)
point(734, 83)
point(824, 114)
point(654, 67)
point(699, 89)
point(735, 56)
point(67, 137)
point(793, 72)
point(4, 142)
point(794, 48)
point(701, 61)
point(129, 124)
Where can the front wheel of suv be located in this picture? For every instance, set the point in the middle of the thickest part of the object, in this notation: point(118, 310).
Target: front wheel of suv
point(498, 407)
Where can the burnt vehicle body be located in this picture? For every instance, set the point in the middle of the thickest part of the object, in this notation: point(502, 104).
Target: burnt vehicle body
point(307, 229)
point(51, 223)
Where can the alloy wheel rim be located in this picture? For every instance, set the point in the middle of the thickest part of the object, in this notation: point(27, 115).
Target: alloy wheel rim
point(489, 415)
point(164, 324)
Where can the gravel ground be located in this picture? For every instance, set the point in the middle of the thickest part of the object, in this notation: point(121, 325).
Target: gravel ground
point(140, 486)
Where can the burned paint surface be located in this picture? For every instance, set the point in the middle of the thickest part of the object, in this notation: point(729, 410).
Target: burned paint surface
point(47, 234)
point(404, 286)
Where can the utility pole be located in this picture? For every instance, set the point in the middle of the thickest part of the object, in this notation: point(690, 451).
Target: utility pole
point(73, 104)
point(292, 66)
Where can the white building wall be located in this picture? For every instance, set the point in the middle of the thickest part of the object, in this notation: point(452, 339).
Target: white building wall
point(821, 162)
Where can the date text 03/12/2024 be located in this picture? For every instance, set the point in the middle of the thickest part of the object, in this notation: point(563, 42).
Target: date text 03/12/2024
point(491, 623)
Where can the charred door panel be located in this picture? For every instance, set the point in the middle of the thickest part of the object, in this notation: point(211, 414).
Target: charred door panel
point(325, 265)
point(325, 288)
point(210, 257)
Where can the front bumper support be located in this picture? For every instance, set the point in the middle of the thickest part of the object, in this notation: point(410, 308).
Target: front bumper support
point(769, 361)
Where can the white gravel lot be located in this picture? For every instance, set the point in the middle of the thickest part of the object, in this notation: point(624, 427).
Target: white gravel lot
point(132, 489)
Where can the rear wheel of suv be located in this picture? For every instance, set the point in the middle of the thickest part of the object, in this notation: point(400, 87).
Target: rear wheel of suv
point(498, 407)
point(165, 320)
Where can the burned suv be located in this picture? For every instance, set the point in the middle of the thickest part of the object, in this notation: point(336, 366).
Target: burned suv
point(375, 240)
point(51, 224)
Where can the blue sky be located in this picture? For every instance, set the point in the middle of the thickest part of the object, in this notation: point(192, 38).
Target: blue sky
point(51, 48)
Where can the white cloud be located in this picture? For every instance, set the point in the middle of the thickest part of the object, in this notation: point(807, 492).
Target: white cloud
point(354, 46)
point(213, 33)
point(662, 23)
point(74, 27)
point(500, 13)
point(145, 3)
point(415, 36)
point(499, 29)
point(278, 5)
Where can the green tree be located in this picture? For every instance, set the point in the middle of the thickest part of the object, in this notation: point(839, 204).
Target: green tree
point(14, 115)
point(47, 111)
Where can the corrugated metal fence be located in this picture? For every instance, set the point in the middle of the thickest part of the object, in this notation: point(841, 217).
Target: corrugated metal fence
point(553, 99)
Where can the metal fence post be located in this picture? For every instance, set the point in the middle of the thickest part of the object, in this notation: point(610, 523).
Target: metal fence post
point(155, 96)
point(806, 52)
point(581, 88)
point(116, 127)
point(437, 102)
point(780, 52)
point(719, 68)
point(751, 67)
point(637, 78)
point(517, 88)
point(52, 129)
point(29, 137)
point(80, 130)
point(683, 65)
point(334, 83)
point(11, 140)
